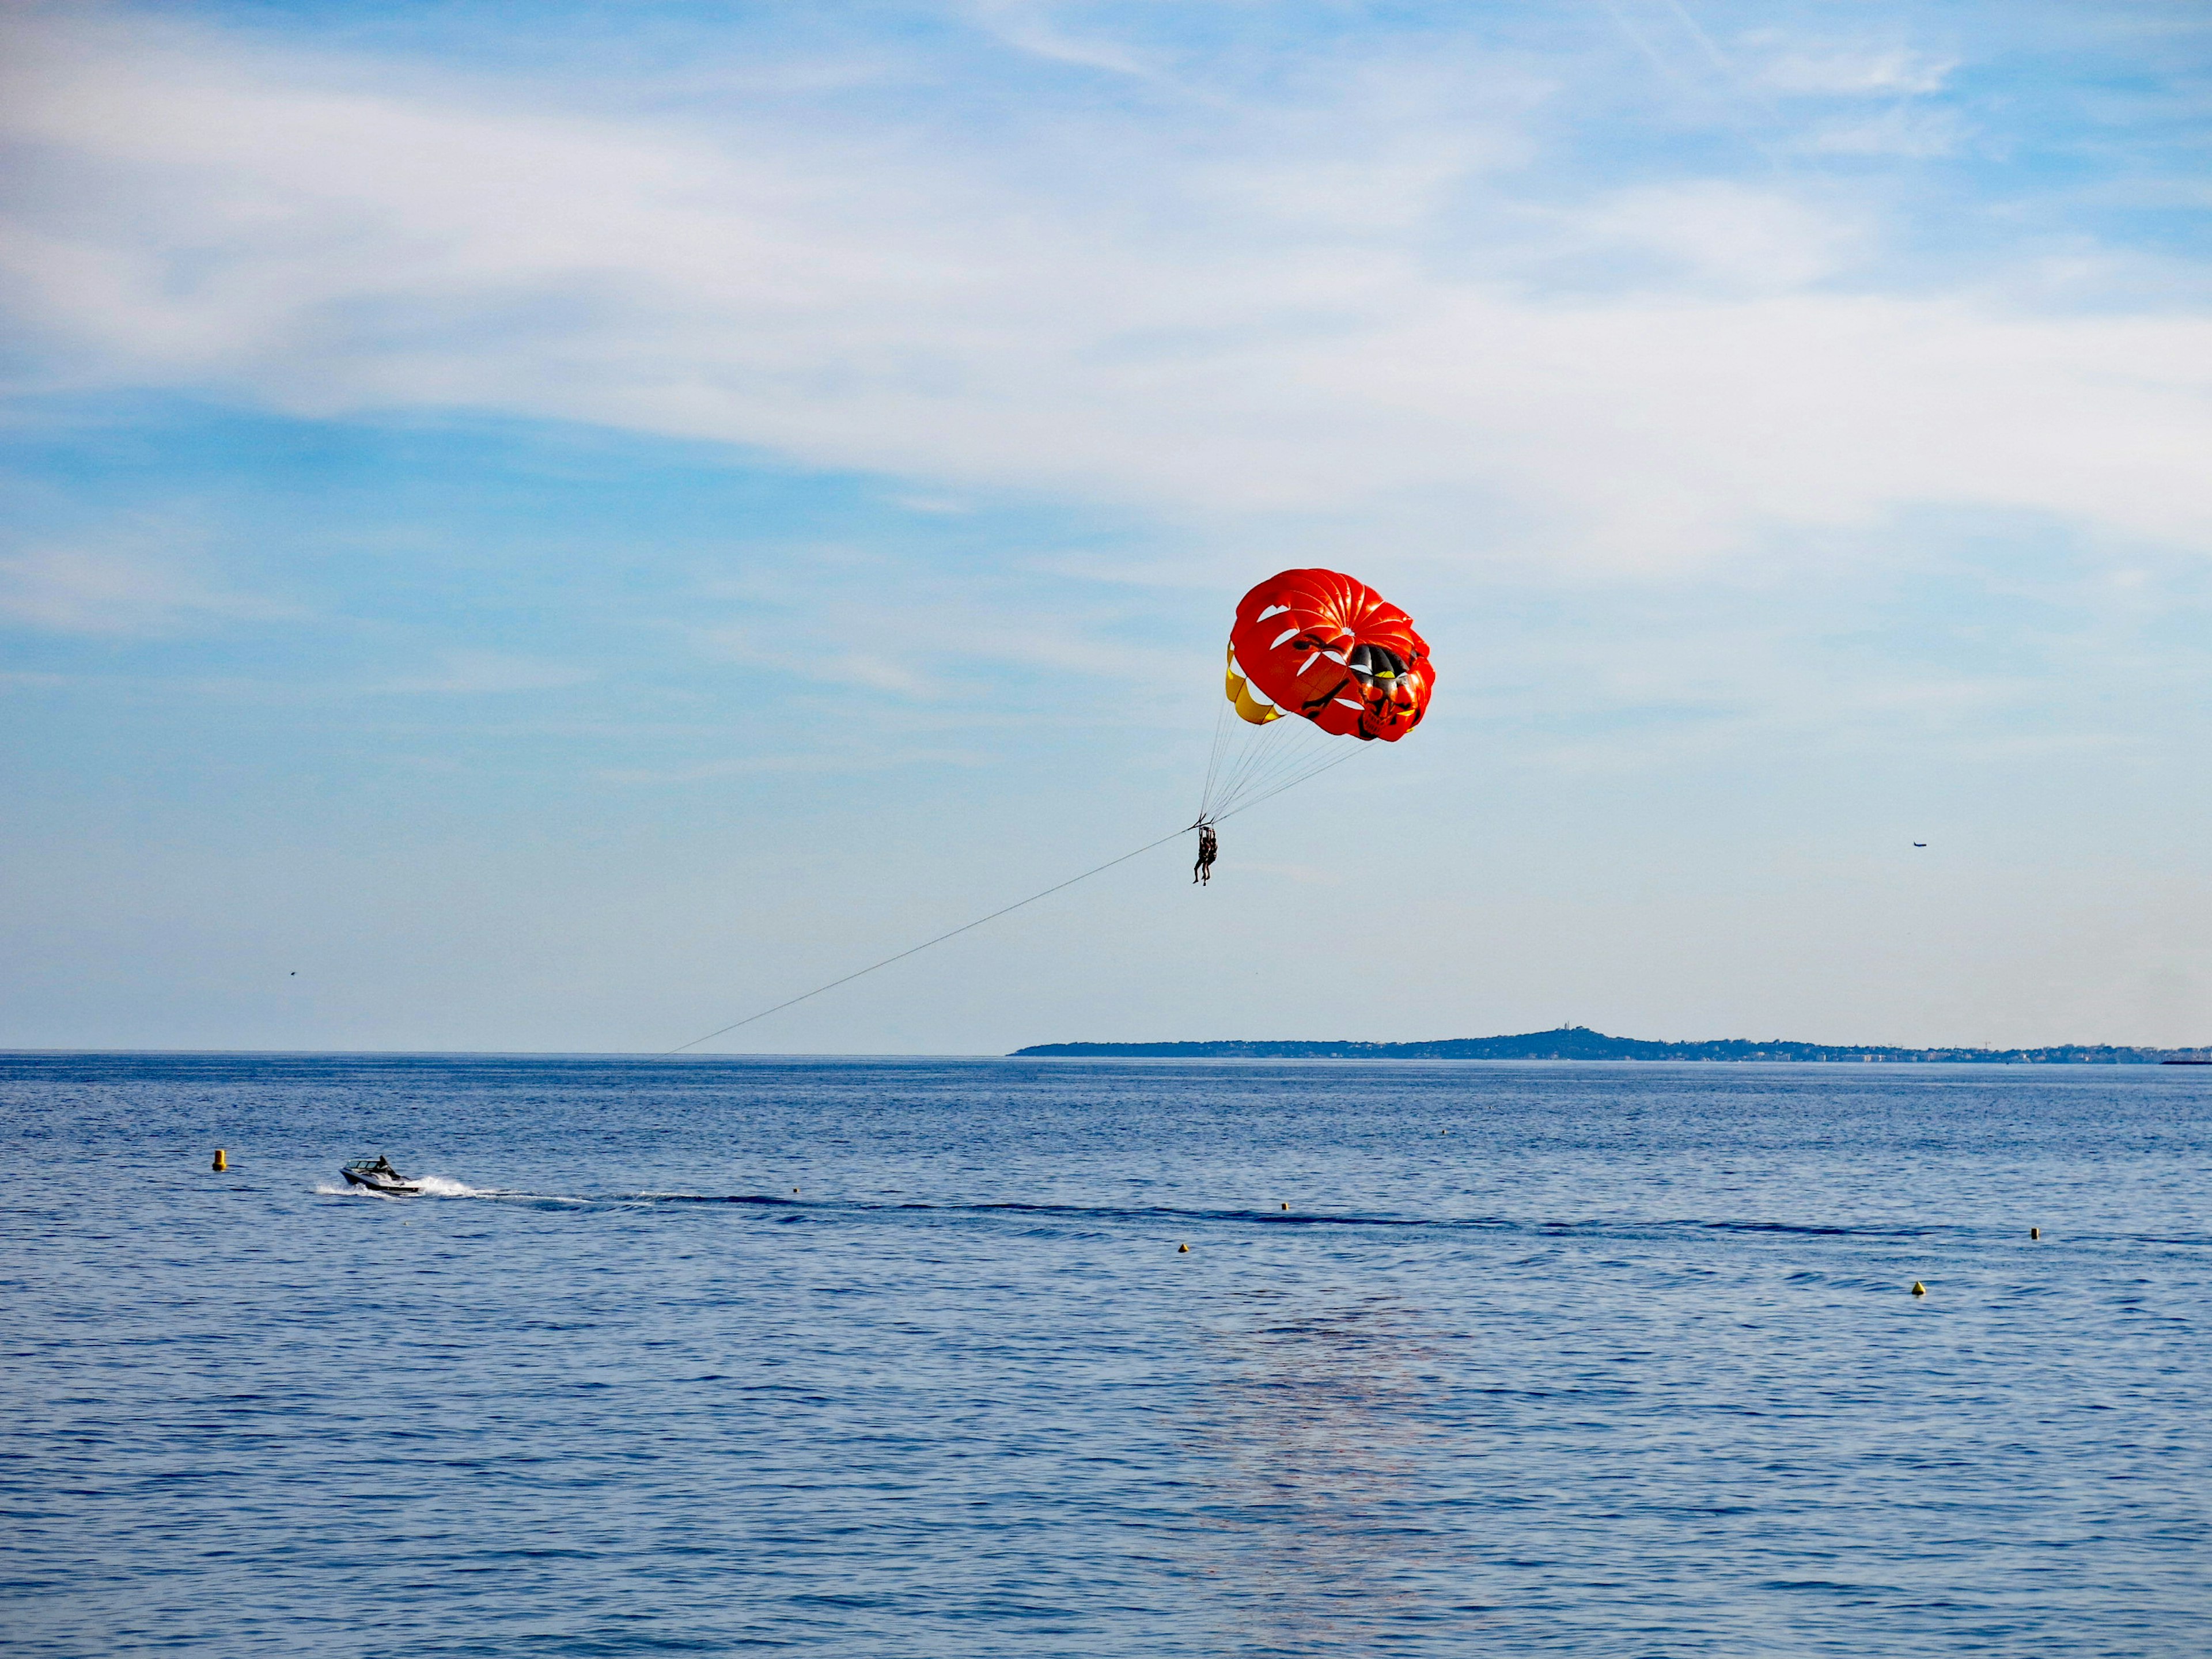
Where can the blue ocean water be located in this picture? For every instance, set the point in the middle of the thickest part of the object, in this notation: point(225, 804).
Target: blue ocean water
point(892, 1357)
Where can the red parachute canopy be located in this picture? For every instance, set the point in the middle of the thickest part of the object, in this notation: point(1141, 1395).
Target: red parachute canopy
point(1320, 644)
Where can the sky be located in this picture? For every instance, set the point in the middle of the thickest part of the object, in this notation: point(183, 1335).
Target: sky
point(555, 528)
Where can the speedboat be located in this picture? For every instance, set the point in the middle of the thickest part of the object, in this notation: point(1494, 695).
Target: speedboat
point(378, 1177)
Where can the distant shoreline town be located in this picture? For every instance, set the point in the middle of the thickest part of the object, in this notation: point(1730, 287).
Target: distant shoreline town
point(1580, 1043)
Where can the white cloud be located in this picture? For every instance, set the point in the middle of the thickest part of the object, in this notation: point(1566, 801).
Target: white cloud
point(783, 656)
point(1030, 28)
point(817, 763)
point(471, 672)
point(1880, 72)
point(100, 591)
point(926, 647)
point(1903, 130)
point(1729, 238)
point(1305, 320)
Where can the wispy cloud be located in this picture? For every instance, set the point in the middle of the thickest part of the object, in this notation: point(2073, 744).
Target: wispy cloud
point(928, 647)
point(1722, 238)
point(818, 763)
point(470, 673)
point(1030, 27)
point(124, 594)
point(779, 654)
point(1860, 72)
point(1902, 131)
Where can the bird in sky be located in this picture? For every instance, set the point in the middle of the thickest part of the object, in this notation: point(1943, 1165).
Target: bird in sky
point(1920, 843)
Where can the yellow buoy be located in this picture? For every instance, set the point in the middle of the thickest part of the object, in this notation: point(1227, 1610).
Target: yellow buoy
point(1183, 1249)
point(2035, 1232)
point(1286, 1207)
point(1919, 1289)
point(221, 1162)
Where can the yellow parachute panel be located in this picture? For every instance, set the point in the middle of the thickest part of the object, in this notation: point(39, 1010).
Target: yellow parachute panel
point(1249, 708)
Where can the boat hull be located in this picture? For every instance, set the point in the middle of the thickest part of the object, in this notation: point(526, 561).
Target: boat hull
point(378, 1184)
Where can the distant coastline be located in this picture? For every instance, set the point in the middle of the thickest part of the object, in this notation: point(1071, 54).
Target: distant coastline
point(1580, 1043)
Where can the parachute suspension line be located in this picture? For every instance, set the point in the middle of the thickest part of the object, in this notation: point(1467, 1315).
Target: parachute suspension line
point(1295, 756)
point(915, 950)
point(1293, 782)
point(1240, 748)
point(1247, 755)
point(1269, 759)
point(1224, 714)
point(1244, 763)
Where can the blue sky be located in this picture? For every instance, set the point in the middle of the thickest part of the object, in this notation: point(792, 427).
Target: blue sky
point(555, 536)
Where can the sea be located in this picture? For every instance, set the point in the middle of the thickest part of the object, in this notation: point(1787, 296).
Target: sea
point(1124, 1358)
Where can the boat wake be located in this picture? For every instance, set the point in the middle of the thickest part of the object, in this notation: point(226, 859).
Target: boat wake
point(1106, 1217)
point(441, 1186)
point(424, 1185)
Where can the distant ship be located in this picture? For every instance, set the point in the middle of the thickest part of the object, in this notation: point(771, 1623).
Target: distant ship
point(2192, 1060)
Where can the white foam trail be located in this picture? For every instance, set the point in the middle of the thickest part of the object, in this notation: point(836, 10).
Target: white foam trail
point(430, 1186)
point(443, 1187)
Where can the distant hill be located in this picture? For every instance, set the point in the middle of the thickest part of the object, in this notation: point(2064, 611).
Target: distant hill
point(1580, 1043)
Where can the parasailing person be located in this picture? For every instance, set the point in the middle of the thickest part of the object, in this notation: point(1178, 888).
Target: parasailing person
point(1209, 848)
